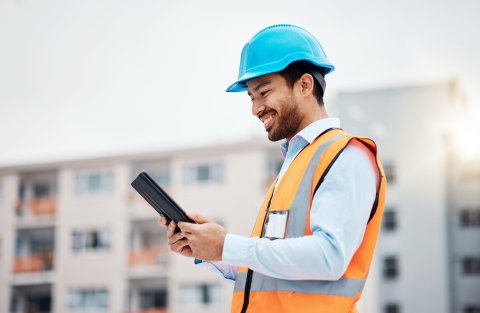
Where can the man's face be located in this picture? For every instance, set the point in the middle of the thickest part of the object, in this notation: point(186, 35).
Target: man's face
point(273, 102)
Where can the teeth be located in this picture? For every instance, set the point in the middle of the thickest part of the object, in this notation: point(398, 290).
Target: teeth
point(267, 120)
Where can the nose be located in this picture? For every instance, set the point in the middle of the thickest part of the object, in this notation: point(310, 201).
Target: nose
point(257, 107)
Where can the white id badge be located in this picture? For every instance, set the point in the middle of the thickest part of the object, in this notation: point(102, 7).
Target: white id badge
point(276, 225)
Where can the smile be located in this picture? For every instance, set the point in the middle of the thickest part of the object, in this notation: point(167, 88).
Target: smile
point(268, 122)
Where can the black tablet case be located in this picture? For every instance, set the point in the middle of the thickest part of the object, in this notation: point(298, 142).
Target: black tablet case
point(159, 199)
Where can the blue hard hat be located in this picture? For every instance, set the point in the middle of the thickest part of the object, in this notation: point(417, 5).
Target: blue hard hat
point(272, 49)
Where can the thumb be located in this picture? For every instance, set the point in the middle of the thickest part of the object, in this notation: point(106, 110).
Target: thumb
point(197, 217)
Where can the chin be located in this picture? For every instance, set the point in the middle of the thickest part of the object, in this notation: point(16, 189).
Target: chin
point(273, 138)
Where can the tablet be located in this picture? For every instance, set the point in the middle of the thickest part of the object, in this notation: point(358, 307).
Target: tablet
point(159, 199)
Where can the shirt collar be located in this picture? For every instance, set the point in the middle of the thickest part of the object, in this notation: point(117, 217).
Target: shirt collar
point(311, 132)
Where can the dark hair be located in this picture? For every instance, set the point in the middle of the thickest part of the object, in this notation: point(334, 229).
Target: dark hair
point(295, 70)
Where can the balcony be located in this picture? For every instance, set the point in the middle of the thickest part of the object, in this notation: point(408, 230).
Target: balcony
point(37, 197)
point(36, 299)
point(148, 257)
point(148, 296)
point(37, 210)
point(148, 253)
point(33, 263)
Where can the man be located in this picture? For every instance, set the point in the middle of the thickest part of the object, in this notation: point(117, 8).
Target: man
point(314, 237)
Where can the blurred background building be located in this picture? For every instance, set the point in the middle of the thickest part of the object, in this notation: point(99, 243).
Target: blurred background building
point(75, 237)
point(428, 254)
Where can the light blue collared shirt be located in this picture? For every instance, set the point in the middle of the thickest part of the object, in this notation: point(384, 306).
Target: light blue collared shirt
point(338, 218)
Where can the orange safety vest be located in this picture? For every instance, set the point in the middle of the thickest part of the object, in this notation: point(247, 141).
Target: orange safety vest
point(255, 292)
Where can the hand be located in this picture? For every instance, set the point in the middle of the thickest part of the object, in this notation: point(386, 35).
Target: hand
point(176, 241)
point(205, 239)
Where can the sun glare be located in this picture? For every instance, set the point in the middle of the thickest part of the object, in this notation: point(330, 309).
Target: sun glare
point(466, 140)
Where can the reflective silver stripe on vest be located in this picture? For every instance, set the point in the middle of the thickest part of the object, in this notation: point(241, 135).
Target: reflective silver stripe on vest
point(301, 203)
point(346, 287)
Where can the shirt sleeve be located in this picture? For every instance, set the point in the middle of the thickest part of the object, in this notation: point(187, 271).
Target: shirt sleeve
point(338, 218)
point(228, 271)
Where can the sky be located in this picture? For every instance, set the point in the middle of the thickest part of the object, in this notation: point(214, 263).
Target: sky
point(91, 78)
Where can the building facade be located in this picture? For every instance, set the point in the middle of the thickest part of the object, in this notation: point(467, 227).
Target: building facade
point(427, 257)
point(463, 198)
point(75, 236)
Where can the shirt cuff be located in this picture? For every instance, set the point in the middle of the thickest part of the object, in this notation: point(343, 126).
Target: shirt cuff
point(225, 270)
point(235, 250)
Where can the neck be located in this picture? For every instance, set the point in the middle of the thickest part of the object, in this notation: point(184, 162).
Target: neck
point(312, 114)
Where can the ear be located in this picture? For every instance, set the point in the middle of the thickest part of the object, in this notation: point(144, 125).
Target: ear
point(305, 84)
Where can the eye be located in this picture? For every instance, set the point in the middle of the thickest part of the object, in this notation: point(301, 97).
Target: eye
point(264, 93)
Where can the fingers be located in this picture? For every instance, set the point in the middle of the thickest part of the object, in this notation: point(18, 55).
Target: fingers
point(186, 227)
point(171, 229)
point(187, 251)
point(197, 217)
point(177, 241)
point(162, 221)
point(179, 245)
point(191, 227)
point(174, 238)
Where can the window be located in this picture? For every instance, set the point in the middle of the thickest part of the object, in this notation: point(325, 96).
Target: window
point(19, 242)
point(38, 303)
point(161, 177)
point(14, 302)
point(471, 309)
point(470, 217)
point(389, 170)
point(82, 299)
point(94, 182)
point(153, 299)
point(205, 294)
point(389, 221)
point(30, 300)
point(42, 245)
point(203, 173)
point(471, 266)
point(21, 191)
point(90, 240)
point(392, 308)
point(390, 268)
point(41, 190)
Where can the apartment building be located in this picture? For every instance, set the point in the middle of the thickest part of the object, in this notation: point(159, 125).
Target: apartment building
point(463, 198)
point(427, 257)
point(75, 237)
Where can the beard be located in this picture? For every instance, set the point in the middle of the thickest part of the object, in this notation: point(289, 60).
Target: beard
point(287, 123)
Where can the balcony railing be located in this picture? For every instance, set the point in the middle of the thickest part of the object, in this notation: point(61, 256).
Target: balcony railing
point(37, 207)
point(33, 263)
point(33, 311)
point(152, 310)
point(149, 256)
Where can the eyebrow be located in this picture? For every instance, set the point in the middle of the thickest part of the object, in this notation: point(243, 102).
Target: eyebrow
point(259, 86)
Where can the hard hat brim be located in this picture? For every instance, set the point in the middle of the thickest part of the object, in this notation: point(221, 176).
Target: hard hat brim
point(241, 84)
